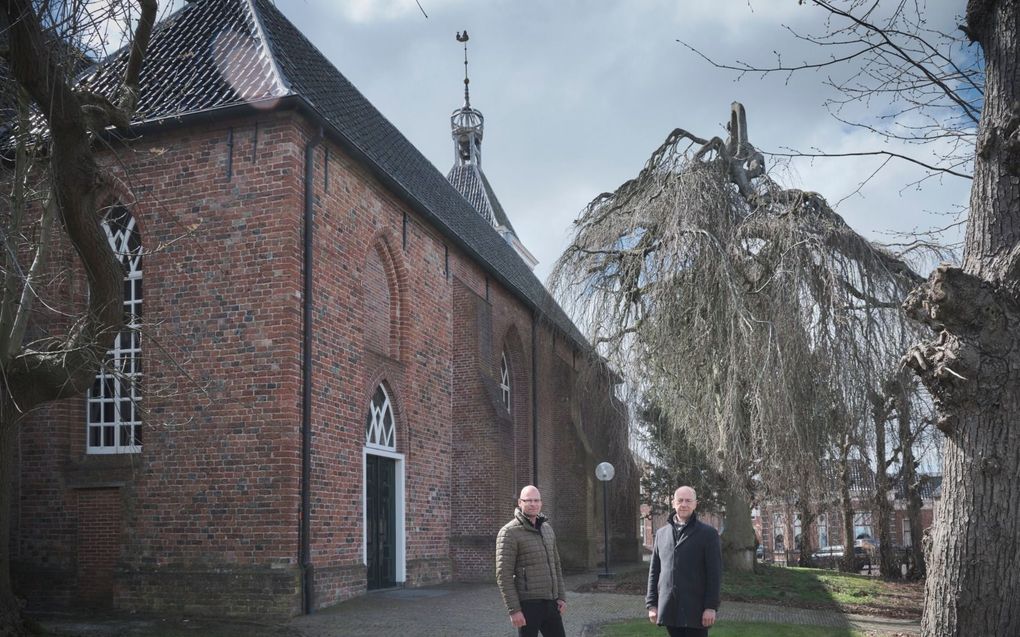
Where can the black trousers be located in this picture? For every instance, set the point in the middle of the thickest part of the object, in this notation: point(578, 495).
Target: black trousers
point(676, 631)
point(541, 615)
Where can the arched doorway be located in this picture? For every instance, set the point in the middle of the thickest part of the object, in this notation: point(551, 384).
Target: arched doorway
point(384, 539)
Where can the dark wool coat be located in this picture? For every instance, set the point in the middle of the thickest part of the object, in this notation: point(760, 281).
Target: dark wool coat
point(527, 562)
point(684, 577)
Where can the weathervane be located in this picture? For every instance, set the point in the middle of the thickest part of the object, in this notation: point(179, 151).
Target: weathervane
point(463, 37)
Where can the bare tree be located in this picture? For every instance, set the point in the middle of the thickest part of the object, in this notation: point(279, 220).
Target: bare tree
point(898, 429)
point(41, 56)
point(715, 286)
point(970, 368)
point(881, 412)
point(929, 84)
point(913, 428)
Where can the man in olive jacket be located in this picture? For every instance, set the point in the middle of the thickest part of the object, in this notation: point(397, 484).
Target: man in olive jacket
point(528, 570)
point(685, 576)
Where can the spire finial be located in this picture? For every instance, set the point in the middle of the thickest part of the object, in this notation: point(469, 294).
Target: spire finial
point(467, 123)
point(463, 37)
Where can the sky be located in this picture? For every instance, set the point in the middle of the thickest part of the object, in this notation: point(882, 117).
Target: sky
point(576, 95)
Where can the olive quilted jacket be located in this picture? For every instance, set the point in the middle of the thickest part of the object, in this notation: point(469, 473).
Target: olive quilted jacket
point(527, 562)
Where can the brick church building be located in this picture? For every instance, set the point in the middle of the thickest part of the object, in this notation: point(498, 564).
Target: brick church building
point(340, 368)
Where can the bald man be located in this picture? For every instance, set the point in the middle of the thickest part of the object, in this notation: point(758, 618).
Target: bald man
point(528, 570)
point(685, 576)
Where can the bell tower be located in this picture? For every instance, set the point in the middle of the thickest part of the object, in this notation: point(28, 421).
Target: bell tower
point(467, 125)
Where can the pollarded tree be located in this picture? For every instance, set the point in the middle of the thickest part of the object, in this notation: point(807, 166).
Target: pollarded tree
point(970, 368)
point(716, 287)
point(52, 140)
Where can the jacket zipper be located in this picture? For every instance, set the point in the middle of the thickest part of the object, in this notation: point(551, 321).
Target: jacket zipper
point(548, 562)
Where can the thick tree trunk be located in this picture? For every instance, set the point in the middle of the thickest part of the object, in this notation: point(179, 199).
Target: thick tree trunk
point(973, 585)
point(973, 373)
point(973, 369)
point(738, 536)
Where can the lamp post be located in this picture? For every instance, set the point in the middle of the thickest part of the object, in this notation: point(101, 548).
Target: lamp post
point(605, 472)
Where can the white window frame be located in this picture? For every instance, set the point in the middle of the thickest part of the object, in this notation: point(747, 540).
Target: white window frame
point(504, 381)
point(863, 520)
point(374, 449)
point(779, 531)
point(381, 434)
point(822, 522)
point(120, 375)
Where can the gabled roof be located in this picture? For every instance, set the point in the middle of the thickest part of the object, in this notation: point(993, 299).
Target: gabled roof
point(208, 55)
point(214, 55)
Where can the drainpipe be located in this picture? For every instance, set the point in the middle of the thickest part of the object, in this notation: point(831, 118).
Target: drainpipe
point(534, 397)
point(305, 543)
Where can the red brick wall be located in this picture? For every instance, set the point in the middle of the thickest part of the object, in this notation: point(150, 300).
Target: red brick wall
point(376, 293)
point(99, 537)
point(484, 436)
point(211, 507)
point(383, 316)
point(215, 489)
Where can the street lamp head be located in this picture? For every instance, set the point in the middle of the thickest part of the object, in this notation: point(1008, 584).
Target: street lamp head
point(605, 471)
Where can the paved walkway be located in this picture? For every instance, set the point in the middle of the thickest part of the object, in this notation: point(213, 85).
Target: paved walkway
point(462, 609)
point(473, 610)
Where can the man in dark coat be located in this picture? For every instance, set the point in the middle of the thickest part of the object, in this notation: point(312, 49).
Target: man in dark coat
point(685, 576)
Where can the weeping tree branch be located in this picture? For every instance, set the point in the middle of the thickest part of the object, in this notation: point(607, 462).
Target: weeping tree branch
point(753, 313)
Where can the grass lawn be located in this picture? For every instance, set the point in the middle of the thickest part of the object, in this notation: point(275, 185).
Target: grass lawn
point(804, 584)
point(819, 588)
point(810, 588)
point(643, 628)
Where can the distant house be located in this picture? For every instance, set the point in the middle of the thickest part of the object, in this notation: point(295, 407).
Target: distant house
point(362, 370)
point(777, 523)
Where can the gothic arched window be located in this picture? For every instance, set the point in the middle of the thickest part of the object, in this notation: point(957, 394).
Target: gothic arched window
point(504, 381)
point(114, 422)
point(380, 426)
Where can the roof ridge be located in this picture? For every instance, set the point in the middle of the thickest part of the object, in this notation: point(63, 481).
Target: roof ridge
point(284, 85)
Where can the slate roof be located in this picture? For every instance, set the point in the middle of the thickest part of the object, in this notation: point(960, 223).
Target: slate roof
point(470, 181)
point(213, 55)
point(862, 477)
point(210, 54)
point(862, 480)
point(930, 487)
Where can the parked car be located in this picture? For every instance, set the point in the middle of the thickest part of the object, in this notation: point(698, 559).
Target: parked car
point(831, 556)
